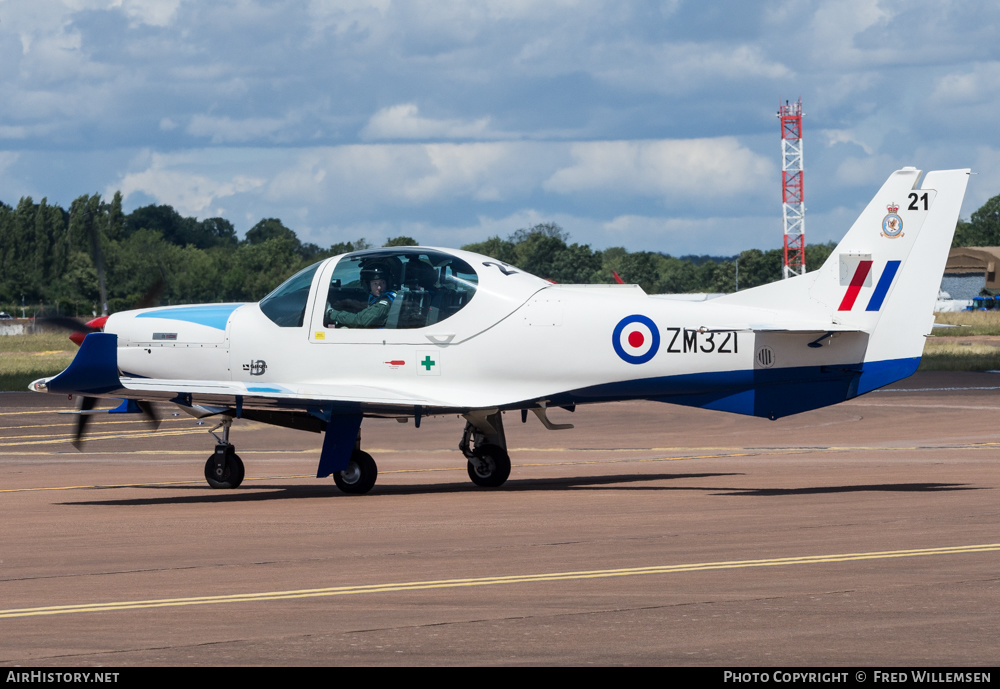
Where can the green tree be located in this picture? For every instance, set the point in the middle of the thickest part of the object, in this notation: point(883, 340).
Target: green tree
point(401, 240)
point(816, 254)
point(216, 232)
point(705, 276)
point(41, 245)
point(983, 228)
point(257, 268)
point(348, 247)
point(611, 263)
point(88, 233)
point(677, 276)
point(545, 229)
point(195, 276)
point(17, 240)
point(758, 267)
point(576, 264)
point(536, 253)
point(724, 277)
point(116, 218)
point(135, 265)
point(494, 247)
point(639, 268)
point(80, 280)
point(270, 228)
point(174, 228)
point(542, 250)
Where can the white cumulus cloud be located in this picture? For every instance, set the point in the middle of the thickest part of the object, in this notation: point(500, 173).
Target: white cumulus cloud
point(151, 12)
point(229, 130)
point(404, 122)
point(669, 168)
point(169, 182)
point(369, 175)
point(977, 84)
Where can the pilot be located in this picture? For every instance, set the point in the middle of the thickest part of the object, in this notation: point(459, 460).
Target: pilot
point(380, 299)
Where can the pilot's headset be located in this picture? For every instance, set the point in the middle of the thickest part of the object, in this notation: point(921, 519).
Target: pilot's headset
point(376, 272)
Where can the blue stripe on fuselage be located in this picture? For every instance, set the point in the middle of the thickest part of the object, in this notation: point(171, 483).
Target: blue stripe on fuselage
point(770, 393)
point(212, 315)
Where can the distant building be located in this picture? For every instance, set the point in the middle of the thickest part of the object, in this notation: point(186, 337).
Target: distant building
point(970, 269)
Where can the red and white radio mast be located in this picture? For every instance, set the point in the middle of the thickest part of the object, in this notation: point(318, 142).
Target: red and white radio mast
point(794, 210)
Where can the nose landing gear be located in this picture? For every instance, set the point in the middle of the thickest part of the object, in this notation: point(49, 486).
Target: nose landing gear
point(224, 469)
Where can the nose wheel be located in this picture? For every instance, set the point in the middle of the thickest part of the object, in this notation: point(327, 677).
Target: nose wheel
point(224, 469)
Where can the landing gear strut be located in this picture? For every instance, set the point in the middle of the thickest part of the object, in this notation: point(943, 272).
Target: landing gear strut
point(224, 469)
point(484, 445)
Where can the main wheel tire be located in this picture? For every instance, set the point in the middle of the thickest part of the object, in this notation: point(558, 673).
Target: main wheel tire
point(491, 466)
point(359, 476)
point(231, 475)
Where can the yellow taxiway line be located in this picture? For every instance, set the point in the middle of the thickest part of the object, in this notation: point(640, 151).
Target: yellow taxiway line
point(488, 581)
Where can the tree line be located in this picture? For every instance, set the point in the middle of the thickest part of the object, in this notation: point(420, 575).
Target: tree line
point(48, 257)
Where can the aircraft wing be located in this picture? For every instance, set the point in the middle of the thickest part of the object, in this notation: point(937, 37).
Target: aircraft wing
point(264, 394)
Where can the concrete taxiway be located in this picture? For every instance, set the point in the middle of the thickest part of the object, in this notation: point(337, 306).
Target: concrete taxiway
point(863, 534)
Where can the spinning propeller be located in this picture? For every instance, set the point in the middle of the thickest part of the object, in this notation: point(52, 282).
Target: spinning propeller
point(79, 330)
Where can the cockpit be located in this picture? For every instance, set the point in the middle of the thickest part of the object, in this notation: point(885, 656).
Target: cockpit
point(426, 286)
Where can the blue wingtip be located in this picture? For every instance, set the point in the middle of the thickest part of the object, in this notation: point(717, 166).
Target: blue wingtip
point(94, 370)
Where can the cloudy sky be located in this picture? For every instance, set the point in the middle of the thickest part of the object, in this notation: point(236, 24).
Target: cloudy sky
point(649, 125)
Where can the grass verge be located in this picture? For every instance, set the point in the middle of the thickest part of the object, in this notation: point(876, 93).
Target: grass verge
point(959, 357)
point(24, 358)
point(969, 322)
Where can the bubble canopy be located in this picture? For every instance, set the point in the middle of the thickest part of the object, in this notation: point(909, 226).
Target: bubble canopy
point(427, 287)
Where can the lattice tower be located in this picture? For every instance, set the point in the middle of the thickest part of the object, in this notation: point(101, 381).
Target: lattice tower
point(793, 206)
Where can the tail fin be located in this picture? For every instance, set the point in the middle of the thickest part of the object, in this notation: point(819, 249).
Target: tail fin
point(884, 275)
point(880, 283)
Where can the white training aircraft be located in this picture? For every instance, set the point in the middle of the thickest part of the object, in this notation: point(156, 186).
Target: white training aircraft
point(469, 335)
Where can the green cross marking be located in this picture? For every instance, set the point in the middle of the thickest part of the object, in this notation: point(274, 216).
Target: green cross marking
point(427, 362)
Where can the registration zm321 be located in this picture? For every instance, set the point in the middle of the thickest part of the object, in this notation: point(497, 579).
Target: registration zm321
point(686, 340)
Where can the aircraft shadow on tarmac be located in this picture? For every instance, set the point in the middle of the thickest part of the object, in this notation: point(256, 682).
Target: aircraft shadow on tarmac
point(263, 491)
point(874, 487)
point(268, 492)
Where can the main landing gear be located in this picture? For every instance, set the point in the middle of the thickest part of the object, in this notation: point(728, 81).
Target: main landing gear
point(224, 469)
point(359, 476)
point(485, 446)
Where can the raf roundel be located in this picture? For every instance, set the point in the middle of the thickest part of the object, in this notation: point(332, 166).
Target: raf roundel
point(636, 339)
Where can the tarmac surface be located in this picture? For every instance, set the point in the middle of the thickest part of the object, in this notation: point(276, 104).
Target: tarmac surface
point(863, 534)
